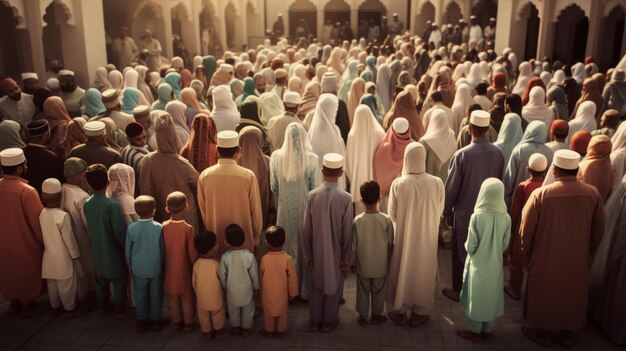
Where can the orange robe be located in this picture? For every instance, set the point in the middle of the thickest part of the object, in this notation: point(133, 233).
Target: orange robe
point(180, 255)
point(21, 242)
point(278, 281)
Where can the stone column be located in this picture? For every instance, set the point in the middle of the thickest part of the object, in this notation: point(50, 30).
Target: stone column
point(354, 21)
point(33, 20)
point(507, 16)
point(545, 41)
point(320, 22)
point(168, 48)
point(594, 35)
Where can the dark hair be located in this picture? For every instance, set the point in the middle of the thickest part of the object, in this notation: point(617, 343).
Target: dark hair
point(176, 201)
point(567, 172)
point(10, 170)
point(227, 152)
point(536, 173)
point(275, 236)
point(471, 108)
point(204, 242)
point(481, 88)
point(436, 96)
point(560, 134)
point(230, 61)
point(235, 235)
point(477, 131)
point(331, 172)
point(515, 103)
point(97, 176)
point(370, 192)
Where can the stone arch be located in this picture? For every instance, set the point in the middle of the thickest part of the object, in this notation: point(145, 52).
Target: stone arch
point(337, 11)
point(485, 9)
point(612, 5)
point(17, 8)
point(571, 48)
point(612, 27)
point(149, 15)
point(255, 27)
point(15, 44)
point(426, 13)
point(56, 17)
point(527, 24)
point(372, 10)
point(453, 13)
point(64, 7)
point(182, 27)
point(252, 5)
point(211, 34)
point(306, 10)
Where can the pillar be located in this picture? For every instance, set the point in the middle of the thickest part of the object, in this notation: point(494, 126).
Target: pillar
point(354, 21)
point(440, 9)
point(593, 36)
point(167, 47)
point(545, 42)
point(320, 22)
point(33, 18)
point(504, 25)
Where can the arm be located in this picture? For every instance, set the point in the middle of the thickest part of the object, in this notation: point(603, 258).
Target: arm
point(528, 226)
point(507, 236)
point(223, 272)
point(307, 234)
point(253, 271)
point(33, 207)
point(68, 237)
point(471, 244)
point(347, 234)
point(292, 279)
point(453, 186)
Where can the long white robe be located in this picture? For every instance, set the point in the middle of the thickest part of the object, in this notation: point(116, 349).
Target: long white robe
point(416, 202)
point(72, 201)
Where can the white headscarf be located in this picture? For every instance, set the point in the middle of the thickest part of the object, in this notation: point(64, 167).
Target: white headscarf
point(272, 107)
point(324, 135)
point(363, 139)
point(178, 111)
point(474, 76)
point(536, 108)
point(296, 151)
point(121, 187)
point(224, 114)
point(130, 78)
point(557, 79)
point(585, 119)
point(439, 136)
point(462, 100)
point(525, 73)
point(545, 77)
point(382, 85)
point(459, 72)
point(414, 159)
point(345, 83)
point(579, 73)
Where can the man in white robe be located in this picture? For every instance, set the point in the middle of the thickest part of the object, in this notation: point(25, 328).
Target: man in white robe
point(15, 105)
point(416, 202)
point(154, 51)
point(124, 49)
point(476, 34)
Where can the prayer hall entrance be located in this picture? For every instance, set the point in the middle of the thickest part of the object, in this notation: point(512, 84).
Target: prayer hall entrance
point(572, 28)
point(303, 10)
point(14, 43)
point(372, 10)
point(528, 21)
point(613, 35)
point(453, 13)
point(427, 13)
point(484, 10)
point(337, 11)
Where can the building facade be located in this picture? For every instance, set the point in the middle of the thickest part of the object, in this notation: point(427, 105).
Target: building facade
point(77, 32)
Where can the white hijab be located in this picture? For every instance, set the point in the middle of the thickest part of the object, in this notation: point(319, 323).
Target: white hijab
point(178, 111)
point(525, 73)
point(364, 137)
point(414, 161)
point(462, 100)
point(579, 73)
point(224, 114)
point(536, 108)
point(121, 187)
point(324, 135)
point(382, 85)
point(272, 106)
point(295, 152)
point(130, 78)
point(474, 76)
point(439, 137)
point(585, 119)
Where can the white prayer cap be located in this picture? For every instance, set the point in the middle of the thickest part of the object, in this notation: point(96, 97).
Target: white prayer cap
point(29, 75)
point(480, 118)
point(280, 73)
point(227, 139)
point(177, 62)
point(329, 82)
point(492, 19)
point(51, 186)
point(538, 162)
point(53, 84)
point(291, 97)
point(12, 157)
point(472, 17)
point(395, 14)
point(141, 110)
point(333, 161)
point(226, 67)
point(66, 72)
point(400, 125)
point(94, 128)
point(566, 159)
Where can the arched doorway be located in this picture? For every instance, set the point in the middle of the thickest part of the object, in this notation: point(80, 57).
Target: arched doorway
point(230, 16)
point(453, 13)
point(303, 10)
point(149, 15)
point(337, 11)
point(484, 10)
point(210, 42)
point(571, 47)
point(255, 26)
point(182, 27)
point(612, 34)
point(14, 43)
point(427, 13)
point(529, 24)
point(55, 18)
point(372, 10)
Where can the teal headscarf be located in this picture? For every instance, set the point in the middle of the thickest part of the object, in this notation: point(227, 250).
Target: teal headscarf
point(93, 103)
point(367, 76)
point(491, 197)
point(130, 100)
point(510, 135)
point(165, 95)
point(536, 133)
point(210, 64)
point(173, 79)
point(396, 69)
point(249, 89)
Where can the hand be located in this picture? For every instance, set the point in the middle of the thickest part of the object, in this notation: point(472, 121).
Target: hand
point(308, 263)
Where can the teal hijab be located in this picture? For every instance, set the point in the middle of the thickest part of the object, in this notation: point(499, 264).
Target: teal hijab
point(210, 64)
point(130, 100)
point(164, 91)
point(93, 103)
point(491, 197)
point(510, 135)
point(173, 80)
point(536, 133)
point(249, 87)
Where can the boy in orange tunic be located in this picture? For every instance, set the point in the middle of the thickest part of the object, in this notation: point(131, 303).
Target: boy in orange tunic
point(206, 283)
point(180, 255)
point(278, 281)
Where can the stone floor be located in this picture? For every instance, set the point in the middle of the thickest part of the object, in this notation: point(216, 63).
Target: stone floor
point(93, 332)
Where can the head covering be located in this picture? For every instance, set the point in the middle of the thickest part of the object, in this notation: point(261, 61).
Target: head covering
point(490, 197)
point(357, 90)
point(579, 73)
point(56, 114)
point(414, 159)
point(201, 149)
point(252, 157)
point(480, 118)
point(74, 166)
point(296, 152)
point(122, 187)
point(510, 135)
point(10, 135)
point(532, 83)
point(525, 74)
point(224, 109)
point(388, 158)
point(130, 78)
point(536, 109)
point(591, 92)
point(173, 80)
point(93, 103)
point(249, 88)
point(210, 64)
point(37, 127)
point(566, 159)
point(101, 82)
point(329, 82)
point(382, 85)
point(439, 137)
point(130, 99)
point(164, 92)
point(236, 87)
point(116, 79)
point(537, 162)
point(133, 129)
point(178, 111)
point(110, 98)
point(12, 157)
point(112, 134)
point(272, 106)
point(580, 141)
point(462, 100)
point(165, 133)
point(94, 128)
point(404, 106)
point(560, 127)
point(324, 135)
point(227, 139)
point(363, 139)
point(585, 118)
point(190, 99)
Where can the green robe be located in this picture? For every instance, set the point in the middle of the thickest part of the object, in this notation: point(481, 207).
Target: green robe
point(107, 236)
point(433, 164)
point(482, 295)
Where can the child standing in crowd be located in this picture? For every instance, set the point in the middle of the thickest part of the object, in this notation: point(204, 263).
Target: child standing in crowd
point(180, 256)
point(60, 265)
point(537, 165)
point(206, 284)
point(239, 277)
point(107, 238)
point(482, 295)
point(327, 243)
point(279, 281)
point(372, 244)
point(144, 252)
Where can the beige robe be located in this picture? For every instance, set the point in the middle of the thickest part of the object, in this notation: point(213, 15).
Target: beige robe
point(228, 193)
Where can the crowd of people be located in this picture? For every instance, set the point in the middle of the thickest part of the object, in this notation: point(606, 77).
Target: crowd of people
point(242, 182)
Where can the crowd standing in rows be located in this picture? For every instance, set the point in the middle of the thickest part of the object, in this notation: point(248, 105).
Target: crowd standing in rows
point(240, 183)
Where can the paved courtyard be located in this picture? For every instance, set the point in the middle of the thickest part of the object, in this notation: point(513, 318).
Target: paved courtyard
point(93, 332)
